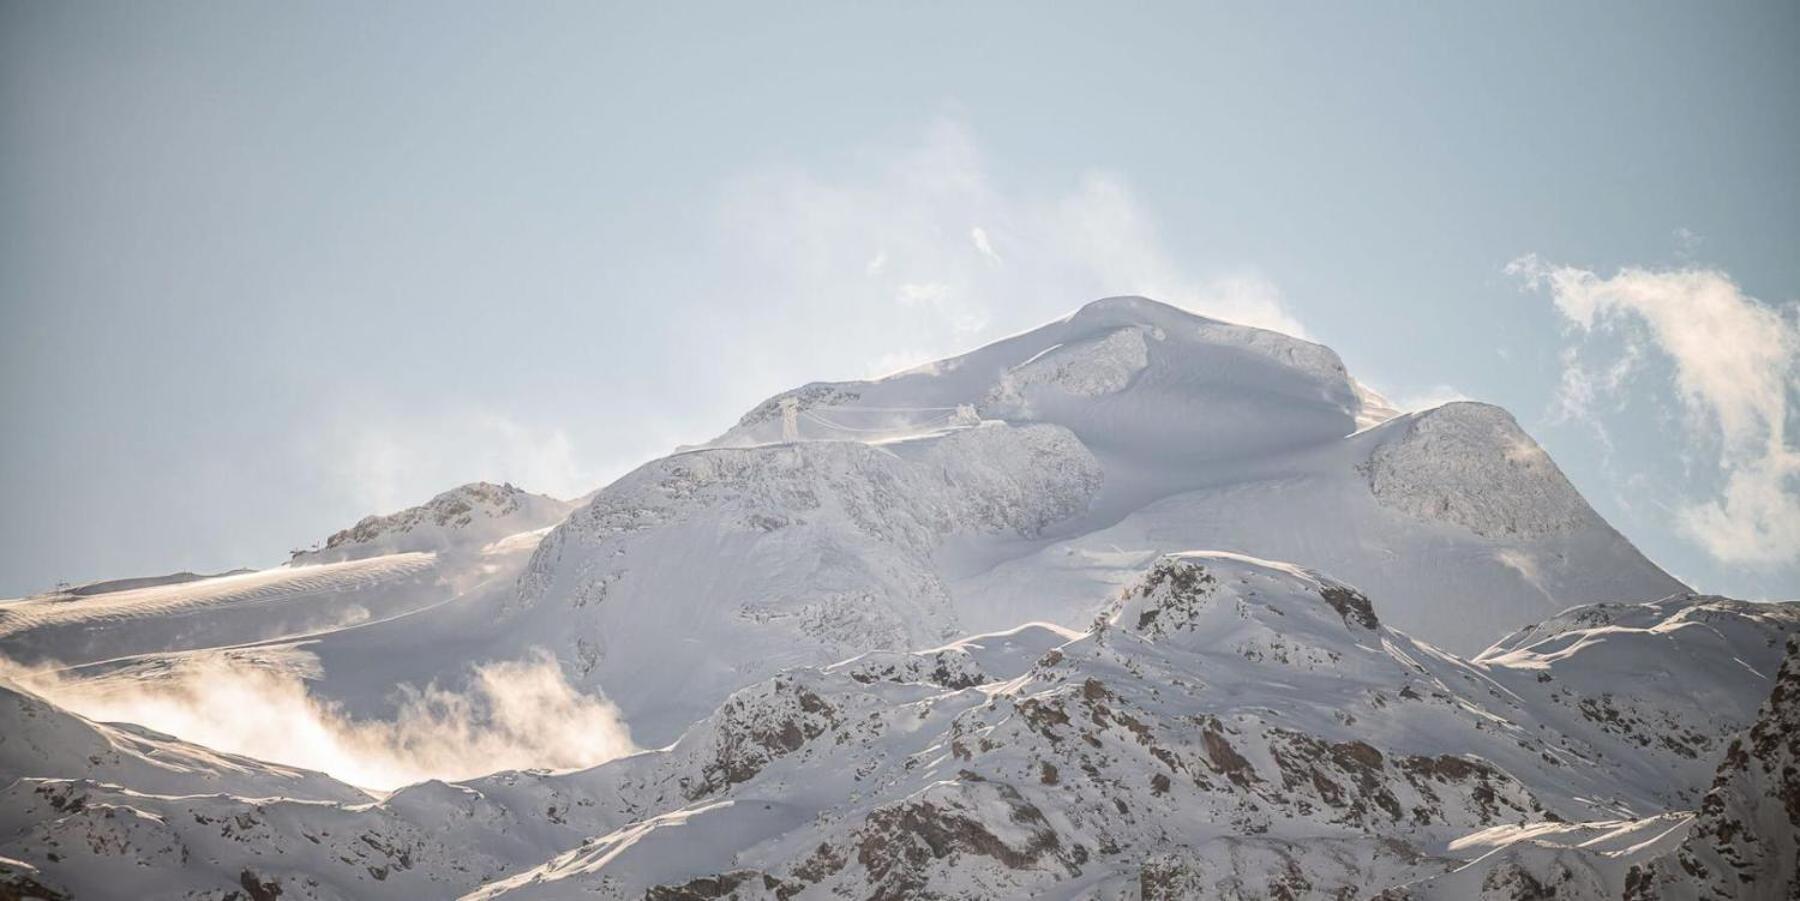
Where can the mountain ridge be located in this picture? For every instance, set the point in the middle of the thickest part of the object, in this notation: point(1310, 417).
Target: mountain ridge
point(1230, 721)
point(1013, 622)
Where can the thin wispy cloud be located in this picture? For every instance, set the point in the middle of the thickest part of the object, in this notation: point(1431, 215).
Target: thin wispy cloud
point(922, 248)
point(385, 461)
point(1735, 363)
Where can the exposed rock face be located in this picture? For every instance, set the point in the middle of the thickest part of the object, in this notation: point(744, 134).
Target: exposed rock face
point(1649, 681)
point(1746, 837)
point(1743, 843)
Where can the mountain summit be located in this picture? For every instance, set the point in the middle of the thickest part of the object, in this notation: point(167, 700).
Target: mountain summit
point(1022, 480)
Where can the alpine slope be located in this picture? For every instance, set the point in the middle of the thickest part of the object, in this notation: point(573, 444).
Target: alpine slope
point(1137, 603)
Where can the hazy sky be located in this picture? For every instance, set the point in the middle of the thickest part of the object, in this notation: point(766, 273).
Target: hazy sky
point(266, 268)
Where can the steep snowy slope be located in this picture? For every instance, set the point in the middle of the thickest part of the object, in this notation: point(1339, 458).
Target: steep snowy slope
point(1233, 726)
point(843, 517)
point(1125, 374)
point(1662, 686)
point(1454, 515)
point(1743, 843)
point(708, 570)
point(40, 739)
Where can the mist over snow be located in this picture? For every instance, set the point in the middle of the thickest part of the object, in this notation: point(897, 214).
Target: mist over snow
point(513, 715)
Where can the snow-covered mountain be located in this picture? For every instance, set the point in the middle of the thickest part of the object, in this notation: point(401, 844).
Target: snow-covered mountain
point(1231, 726)
point(1742, 843)
point(465, 517)
point(1023, 480)
point(1004, 624)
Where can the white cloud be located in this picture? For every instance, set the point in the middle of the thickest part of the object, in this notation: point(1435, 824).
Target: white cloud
point(922, 249)
point(1687, 242)
point(1102, 227)
point(980, 237)
point(388, 461)
point(1736, 371)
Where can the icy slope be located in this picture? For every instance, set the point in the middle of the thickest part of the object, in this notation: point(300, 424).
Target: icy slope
point(216, 612)
point(350, 659)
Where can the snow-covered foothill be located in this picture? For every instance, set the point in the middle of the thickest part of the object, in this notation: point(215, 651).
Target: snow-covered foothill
point(1229, 722)
point(466, 517)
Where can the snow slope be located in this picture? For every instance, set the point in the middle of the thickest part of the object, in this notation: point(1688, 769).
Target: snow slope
point(1453, 514)
point(1232, 726)
point(712, 569)
point(1222, 436)
point(216, 612)
point(43, 739)
point(1743, 843)
point(816, 620)
point(381, 568)
point(1023, 480)
point(1020, 482)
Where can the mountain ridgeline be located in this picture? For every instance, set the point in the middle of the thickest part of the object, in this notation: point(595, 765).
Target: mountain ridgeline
point(1135, 604)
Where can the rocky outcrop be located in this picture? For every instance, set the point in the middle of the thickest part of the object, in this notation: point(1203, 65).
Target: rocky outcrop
point(463, 518)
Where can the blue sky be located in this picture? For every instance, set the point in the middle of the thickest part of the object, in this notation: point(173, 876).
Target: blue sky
point(265, 269)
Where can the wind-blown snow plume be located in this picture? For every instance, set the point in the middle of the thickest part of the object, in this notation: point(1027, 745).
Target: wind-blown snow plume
point(1737, 371)
point(383, 458)
point(513, 714)
point(928, 249)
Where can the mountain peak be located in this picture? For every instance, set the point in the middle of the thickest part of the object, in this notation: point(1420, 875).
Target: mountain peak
point(1146, 378)
point(1208, 599)
point(1471, 464)
point(469, 515)
point(1133, 309)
